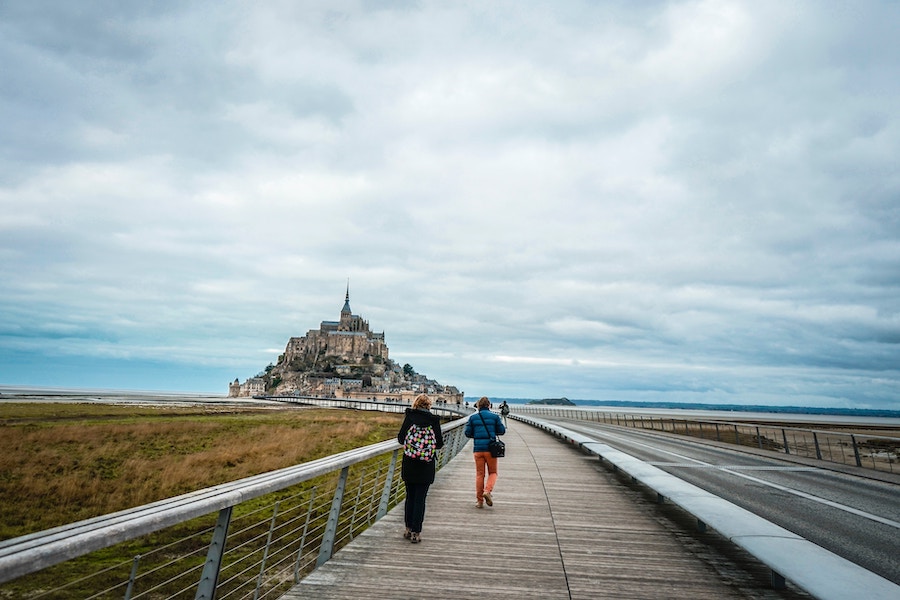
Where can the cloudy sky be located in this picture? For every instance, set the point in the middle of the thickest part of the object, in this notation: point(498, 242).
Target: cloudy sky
point(689, 201)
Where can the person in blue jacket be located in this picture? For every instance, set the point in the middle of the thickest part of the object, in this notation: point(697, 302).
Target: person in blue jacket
point(482, 427)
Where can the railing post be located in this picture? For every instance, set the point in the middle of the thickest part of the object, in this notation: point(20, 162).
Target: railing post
point(737, 436)
point(758, 439)
point(388, 484)
point(327, 548)
point(856, 451)
point(718, 439)
point(206, 589)
point(371, 504)
point(787, 449)
point(262, 566)
point(134, 568)
point(816, 442)
point(309, 509)
point(359, 488)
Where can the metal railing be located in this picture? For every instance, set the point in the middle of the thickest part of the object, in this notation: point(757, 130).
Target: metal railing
point(861, 449)
point(248, 539)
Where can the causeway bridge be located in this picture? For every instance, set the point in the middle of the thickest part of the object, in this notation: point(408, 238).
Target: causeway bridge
point(573, 517)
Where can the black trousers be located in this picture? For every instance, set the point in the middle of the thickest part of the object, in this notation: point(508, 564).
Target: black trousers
point(415, 505)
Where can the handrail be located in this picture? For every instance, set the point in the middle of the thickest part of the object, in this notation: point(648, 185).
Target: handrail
point(818, 571)
point(36, 551)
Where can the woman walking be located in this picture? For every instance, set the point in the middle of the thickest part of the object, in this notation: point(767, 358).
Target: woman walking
point(482, 427)
point(421, 437)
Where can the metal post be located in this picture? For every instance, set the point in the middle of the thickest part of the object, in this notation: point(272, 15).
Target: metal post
point(787, 449)
point(718, 439)
point(371, 504)
point(778, 582)
point(856, 451)
point(206, 589)
point(262, 566)
point(816, 442)
point(134, 568)
point(758, 439)
point(388, 483)
point(362, 477)
point(737, 436)
point(303, 536)
point(327, 548)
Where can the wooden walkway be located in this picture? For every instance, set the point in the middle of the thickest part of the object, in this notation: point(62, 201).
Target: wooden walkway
point(561, 527)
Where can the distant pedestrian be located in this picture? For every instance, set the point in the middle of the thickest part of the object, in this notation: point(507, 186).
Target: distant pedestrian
point(421, 437)
point(482, 427)
point(504, 412)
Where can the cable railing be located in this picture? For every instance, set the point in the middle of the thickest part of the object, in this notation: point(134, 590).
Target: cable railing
point(858, 448)
point(249, 539)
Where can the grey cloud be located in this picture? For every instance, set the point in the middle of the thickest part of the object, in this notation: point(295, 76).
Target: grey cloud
point(686, 199)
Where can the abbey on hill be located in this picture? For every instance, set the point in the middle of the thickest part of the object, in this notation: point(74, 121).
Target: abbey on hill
point(342, 359)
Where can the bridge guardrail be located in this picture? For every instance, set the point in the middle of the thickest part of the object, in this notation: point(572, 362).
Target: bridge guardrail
point(820, 572)
point(250, 538)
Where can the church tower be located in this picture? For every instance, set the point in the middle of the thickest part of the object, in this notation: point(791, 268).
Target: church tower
point(346, 322)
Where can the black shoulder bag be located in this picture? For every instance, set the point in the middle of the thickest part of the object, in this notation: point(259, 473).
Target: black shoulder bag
point(495, 446)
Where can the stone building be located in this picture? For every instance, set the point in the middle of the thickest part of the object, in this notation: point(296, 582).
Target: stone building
point(254, 386)
point(348, 339)
point(343, 359)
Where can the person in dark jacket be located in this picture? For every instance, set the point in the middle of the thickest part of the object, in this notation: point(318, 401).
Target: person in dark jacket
point(421, 437)
point(482, 427)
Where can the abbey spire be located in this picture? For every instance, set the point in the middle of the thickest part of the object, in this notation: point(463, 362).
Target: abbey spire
point(346, 310)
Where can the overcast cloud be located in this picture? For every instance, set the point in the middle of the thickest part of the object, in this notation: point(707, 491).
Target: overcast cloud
point(693, 201)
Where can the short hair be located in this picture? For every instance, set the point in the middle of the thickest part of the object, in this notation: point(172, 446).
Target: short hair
point(422, 401)
point(483, 402)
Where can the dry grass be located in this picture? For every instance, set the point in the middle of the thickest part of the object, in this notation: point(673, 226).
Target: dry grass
point(76, 461)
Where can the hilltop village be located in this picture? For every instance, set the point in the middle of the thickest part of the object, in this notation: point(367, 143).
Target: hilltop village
point(342, 359)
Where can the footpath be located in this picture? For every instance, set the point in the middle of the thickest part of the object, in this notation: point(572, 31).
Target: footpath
point(562, 527)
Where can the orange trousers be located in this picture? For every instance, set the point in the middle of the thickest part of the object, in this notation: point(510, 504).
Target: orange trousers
point(484, 461)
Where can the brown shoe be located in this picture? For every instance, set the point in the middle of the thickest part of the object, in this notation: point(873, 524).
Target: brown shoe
point(479, 505)
point(407, 534)
point(487, 499)
point(415, 539)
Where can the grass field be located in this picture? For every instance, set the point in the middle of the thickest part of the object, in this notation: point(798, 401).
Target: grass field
point(63, 462)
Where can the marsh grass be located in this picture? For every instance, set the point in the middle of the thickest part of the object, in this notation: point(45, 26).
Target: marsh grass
point(61, 463)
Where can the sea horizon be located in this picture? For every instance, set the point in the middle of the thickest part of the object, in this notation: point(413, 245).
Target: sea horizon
point(11, 392)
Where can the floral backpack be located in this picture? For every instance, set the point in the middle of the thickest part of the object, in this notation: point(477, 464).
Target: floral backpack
point(420, 443)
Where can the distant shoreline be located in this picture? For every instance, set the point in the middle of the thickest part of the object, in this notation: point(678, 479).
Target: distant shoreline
point(12, 393)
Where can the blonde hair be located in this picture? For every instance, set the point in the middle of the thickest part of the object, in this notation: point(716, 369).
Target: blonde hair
point(422, 401)
point(483, 402)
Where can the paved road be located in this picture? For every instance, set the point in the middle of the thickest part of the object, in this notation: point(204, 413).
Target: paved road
point(855, 517)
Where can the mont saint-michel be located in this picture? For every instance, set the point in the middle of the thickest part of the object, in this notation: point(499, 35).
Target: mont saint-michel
point(342, 359)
